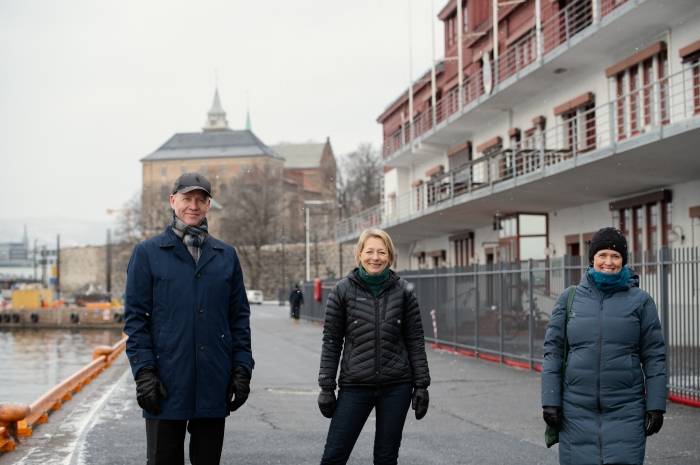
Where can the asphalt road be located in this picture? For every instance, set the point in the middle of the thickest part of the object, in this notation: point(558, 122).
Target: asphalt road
point(480, 413)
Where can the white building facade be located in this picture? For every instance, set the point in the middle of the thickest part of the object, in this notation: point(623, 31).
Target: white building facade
point(556, 119)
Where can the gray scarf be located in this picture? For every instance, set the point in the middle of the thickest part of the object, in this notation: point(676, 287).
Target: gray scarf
point(192, 236)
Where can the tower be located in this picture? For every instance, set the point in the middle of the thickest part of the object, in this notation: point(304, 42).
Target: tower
point(216, 117)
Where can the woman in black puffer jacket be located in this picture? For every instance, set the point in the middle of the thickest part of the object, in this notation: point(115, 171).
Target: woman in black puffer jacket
point(374, 319)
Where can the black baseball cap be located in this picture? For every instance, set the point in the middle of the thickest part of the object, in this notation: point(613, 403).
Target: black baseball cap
point(188, 182)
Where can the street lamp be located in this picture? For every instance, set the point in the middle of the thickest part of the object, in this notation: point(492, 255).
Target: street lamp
point(307, 204)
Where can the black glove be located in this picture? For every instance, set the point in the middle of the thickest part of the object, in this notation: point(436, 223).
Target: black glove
point(420, 401)
point(149, 390)
point(552, 416)
point(326, 402)
point(238, 388)
point(654, 422)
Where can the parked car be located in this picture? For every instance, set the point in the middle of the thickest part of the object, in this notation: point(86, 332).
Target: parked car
point(254, 296)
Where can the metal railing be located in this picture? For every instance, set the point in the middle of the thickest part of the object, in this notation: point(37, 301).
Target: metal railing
point(665, 101)
point(500, 312)
point(555, 31)
point(17, 420)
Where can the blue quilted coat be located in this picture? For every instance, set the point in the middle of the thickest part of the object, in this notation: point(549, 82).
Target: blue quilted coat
point(615, 372)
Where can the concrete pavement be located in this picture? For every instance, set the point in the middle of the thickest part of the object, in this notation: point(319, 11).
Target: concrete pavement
point(480, 413)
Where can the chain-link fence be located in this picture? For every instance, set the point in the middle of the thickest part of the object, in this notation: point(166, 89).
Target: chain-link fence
point(500, 312)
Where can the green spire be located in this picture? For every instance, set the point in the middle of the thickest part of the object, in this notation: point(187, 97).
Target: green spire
point(247, 119)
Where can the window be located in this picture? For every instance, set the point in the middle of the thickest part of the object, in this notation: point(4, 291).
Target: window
point(645, 221)
point(579, 129)
point(641, 92)
point(417, 189)
point(695, 73)
point(523, 236)
point(690, 55)
point(633, 100)
point(420, 256)
point(663, 87)
point(481, 11)
point(465, 17)
point(647, 73)
point(450, 32)
point(463, 248)
point(620, 105)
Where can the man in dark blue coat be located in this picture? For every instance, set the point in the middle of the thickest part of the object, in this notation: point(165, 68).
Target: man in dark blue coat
point(188, 322)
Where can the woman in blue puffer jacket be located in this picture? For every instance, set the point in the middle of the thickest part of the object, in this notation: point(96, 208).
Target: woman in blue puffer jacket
point(612, 393)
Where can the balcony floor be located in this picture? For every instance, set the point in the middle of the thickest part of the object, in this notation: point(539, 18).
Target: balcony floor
point(657, 159)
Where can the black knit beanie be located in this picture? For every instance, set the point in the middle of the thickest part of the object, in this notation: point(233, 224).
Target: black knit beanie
point(608, 238)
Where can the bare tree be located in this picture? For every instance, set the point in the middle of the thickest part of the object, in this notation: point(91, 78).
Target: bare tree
point(143, 216)
point(359, 180)
point(253, 204)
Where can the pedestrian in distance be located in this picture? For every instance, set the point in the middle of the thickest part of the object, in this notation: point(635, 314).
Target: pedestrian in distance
point(296, 300)
point(604, 370)
point(188, 322)
point(374, 319)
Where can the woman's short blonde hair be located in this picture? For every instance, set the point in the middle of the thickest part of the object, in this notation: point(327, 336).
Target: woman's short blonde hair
point(379, 234)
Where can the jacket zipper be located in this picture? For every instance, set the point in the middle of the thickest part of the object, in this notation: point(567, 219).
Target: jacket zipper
point(377, 342)
point(600, 367)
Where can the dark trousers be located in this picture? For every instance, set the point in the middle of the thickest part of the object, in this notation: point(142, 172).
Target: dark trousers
point(354, 406)
point(165, 441)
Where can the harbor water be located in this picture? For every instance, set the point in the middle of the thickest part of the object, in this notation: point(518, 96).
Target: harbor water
point(32, 361)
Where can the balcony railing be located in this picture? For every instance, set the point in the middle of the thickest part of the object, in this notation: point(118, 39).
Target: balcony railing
point(673, 99)
point(557, 30)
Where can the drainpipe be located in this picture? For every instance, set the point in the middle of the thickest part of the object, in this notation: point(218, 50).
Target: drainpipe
point(538, 29)
point(496, 65)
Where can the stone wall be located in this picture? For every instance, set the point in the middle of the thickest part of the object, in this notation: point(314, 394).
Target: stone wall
point(324, 263)
point(85, 267)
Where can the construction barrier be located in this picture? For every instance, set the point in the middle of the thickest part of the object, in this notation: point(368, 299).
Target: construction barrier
point(19, 420)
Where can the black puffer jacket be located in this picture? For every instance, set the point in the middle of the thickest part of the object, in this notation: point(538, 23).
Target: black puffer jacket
point(381, 337)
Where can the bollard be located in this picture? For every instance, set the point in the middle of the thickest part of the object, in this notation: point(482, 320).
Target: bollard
point(100, 351)
point(11, 415)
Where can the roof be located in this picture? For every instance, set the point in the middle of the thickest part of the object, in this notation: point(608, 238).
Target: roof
point(300, 155)
point(211, 144)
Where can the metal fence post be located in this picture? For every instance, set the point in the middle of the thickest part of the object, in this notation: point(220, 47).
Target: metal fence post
point(531, 326)
point(664, 291)
point(454, 308)
point(435, 300)
point(476, 310)
point(500, 312)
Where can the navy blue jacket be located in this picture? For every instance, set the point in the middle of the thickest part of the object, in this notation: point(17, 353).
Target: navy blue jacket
point(189, 321)
point(616, 349)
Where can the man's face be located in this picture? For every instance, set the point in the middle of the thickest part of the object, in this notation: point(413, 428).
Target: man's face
point(190, 207)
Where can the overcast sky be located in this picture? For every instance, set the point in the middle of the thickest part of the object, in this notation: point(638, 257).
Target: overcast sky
point(88, 88)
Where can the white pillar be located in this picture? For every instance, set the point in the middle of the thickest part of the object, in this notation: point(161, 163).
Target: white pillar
point(433, 83)
point(412, 132)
